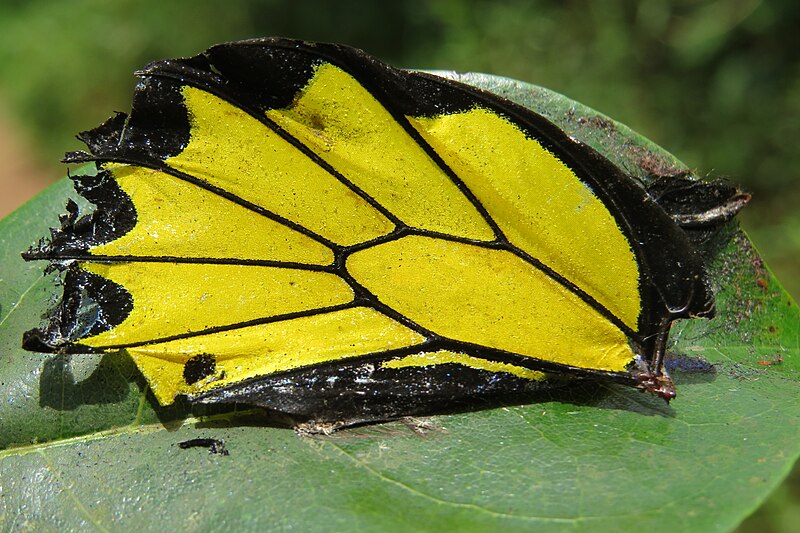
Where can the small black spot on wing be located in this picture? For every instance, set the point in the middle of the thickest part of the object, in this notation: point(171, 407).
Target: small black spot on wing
point(199, 367)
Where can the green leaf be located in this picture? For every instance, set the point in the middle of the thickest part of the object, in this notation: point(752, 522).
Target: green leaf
point(83, 445)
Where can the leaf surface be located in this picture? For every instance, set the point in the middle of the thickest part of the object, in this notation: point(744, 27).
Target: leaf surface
point(84, 445)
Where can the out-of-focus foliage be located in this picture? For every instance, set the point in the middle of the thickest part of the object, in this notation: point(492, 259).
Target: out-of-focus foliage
point(717, 82)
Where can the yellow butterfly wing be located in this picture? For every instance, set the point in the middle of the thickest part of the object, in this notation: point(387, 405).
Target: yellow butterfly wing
point(274, 206)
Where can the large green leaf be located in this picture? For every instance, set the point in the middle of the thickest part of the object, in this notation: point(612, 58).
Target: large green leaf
point(83, 445)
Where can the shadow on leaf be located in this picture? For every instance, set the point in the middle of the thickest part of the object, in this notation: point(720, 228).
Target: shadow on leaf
point(109, 383)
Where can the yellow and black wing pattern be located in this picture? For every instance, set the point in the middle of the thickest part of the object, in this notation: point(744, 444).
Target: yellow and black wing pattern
point(302, 227)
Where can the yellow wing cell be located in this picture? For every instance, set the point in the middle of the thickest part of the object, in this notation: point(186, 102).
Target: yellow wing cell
point(540, 205)
point(489, 298)
point(442, 357)
point(233, 151)
point(175, 218)
point(172, 299)
point(336, 117)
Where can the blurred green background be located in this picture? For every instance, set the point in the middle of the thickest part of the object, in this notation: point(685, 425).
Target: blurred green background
point(715, 82)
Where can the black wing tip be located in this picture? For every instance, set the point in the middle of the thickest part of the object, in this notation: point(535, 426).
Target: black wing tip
point(78, 157)
point(63, 239)
point(695, 203)
point(89, 305)
point(211, 68)
point(36, 340)
point(100, 139)
point(113, 216)
point(77, 232)
point(204, 60)
point(33, 340)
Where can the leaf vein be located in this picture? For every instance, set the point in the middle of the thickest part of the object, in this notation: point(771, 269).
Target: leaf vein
point(78, 503)
point(439, 501)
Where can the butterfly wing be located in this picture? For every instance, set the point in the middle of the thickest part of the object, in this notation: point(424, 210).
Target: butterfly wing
point(275, 208)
